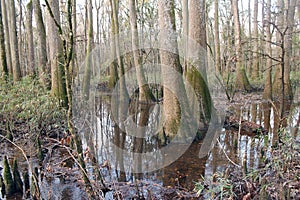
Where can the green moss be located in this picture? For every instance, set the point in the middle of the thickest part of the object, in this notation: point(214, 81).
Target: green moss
point(242, 82)
point(17, 178)
point(8, 179)
point(200, 87)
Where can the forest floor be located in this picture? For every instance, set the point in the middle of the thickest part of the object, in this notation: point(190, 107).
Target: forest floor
point(36, 127)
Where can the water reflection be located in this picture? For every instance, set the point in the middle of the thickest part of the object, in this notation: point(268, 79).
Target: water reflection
point(100, 133)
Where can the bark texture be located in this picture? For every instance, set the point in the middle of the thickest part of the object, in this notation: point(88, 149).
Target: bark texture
point(242, 82)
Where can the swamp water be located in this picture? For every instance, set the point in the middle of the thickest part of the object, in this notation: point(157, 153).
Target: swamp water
point(100, 135)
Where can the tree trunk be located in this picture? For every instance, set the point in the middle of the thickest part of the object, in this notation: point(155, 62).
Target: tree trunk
point(288, 44)
point(217, 38)
point(121, 70)
point(196, 73)
point(21, 41)
point(74, 65)
point(4, 68)
point(6, 35)
point(185, 31)
point(113, 73)
point(43, 67)
point(14, 42)
point(58, 84)
point(282, 85)
point(277, 82)
point(255, 71)
point(31, 62)
point(241, 82)
point(145, 94)
point(268, 82)
point(250, 55)
point(88, 70)
point(170, 68)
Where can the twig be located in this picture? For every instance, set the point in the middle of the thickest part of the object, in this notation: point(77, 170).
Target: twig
point(227, 155)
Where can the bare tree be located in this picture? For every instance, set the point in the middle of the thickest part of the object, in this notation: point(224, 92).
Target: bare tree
point(58, 84)
point(268, 81)
point(242, 82)
point(6, 35)
point(31, 58)
point(3, 69)
point(88, 67)
point(14, 41)
point(43, 67)
point(255, 70)
point(217, 38)
point(145, 93)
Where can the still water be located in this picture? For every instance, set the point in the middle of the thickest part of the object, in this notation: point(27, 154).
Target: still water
point(101, 135)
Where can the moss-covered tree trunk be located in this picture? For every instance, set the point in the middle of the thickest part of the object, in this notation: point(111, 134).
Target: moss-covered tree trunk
point(58, 84)
point(197, 56)
point(241, 82)
point(170, 59)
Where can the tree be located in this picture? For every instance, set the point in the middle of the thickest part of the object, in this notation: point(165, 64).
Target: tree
point(4, 68)
point(255, 70)
point(113, 74)
point(169, 57)
point(29, 28)
point(41, 45)
point(6, 35)
point(290, 7)
point(268, 81)
point(87, 70)
point(121, 70)
point(196, 72)
point(185, 31)
point(14, 41)
point(284, 33)
point(241, 82)
point(217, 38)
point(58, 84)
point(145, 93)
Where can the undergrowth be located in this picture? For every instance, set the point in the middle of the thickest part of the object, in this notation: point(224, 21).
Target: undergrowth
point(27, 105)
point(277, 178)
